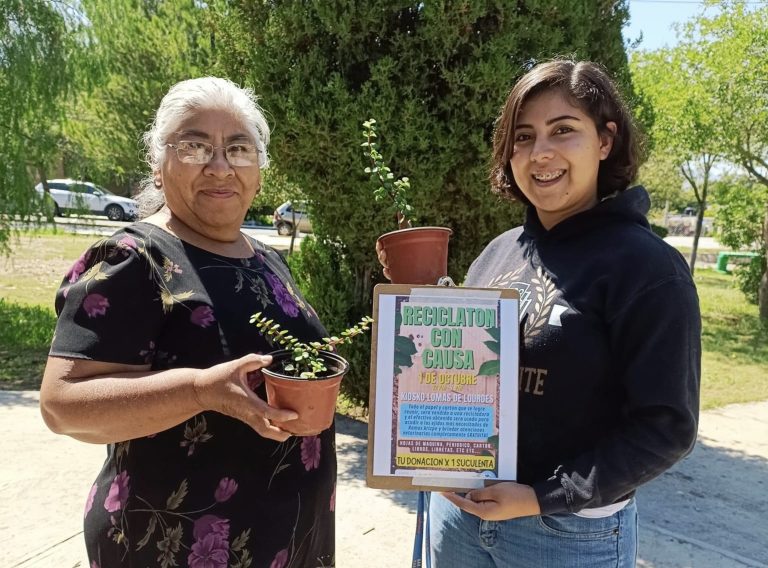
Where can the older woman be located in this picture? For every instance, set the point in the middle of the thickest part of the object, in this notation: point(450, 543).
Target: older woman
point(154, 355)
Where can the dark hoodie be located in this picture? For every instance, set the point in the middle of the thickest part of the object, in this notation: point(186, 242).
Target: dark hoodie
point(610, 355)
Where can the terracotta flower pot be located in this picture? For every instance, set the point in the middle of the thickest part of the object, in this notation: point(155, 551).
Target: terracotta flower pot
point(313, 399)
point(418, 255)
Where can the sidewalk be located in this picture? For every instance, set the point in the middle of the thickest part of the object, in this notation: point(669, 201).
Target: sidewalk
point(709, 511)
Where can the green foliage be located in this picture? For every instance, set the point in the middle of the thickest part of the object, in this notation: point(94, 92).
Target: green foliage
point(388, 188)
point(433, 74)
point(659, 230)
point(710, 94)
point(739, 208)
point(25, 337)
point(661, 176)
point(36, 57)
point(328, 285)
point(138, 50)
point(306, 360)
point(748, 278)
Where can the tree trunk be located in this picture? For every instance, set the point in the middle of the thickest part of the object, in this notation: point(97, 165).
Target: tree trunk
point(47, 199)
point(696, 235)
point(294, 230)
point(762, 293)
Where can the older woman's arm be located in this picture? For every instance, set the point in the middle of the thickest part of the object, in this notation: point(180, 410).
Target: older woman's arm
point(101, 402)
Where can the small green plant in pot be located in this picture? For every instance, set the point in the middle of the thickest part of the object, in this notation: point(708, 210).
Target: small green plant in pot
point(413, 255)
point(305, 377)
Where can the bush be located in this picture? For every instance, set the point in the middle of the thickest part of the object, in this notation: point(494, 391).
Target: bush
point(659, 230)
point(748, 277)
point(326, 282)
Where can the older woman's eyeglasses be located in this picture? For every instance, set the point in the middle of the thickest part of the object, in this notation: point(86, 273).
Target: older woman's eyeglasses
point(200, 153)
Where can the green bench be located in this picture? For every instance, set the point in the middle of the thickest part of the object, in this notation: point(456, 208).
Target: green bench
point(724, 257)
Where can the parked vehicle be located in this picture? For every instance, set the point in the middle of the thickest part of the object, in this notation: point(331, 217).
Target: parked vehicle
point(288, 214)
point(73, 196)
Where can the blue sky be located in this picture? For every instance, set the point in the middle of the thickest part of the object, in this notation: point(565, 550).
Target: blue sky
point(655, 18)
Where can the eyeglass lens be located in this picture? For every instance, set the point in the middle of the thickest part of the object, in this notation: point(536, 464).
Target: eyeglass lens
point(199, 153)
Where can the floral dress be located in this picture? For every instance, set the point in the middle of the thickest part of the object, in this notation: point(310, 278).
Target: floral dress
point(211, 492)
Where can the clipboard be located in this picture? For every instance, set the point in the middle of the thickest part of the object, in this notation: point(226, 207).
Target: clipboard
point(444, 387)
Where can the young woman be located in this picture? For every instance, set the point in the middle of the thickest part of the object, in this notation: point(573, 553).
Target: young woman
point(610, 350)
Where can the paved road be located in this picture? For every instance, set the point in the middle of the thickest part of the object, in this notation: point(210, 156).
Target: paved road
point(94, 225)
point(709, 511)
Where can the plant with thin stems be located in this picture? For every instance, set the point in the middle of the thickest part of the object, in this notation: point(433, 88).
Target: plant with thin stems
point(387, 187)
point(306, 360)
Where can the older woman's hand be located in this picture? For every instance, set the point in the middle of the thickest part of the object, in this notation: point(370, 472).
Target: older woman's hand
point(383, 260)
point(224, 388)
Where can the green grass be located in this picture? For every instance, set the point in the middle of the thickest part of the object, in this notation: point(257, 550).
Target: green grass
point(735, 344)
point(25, 335)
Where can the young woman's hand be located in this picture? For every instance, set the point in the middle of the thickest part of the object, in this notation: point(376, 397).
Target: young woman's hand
point(383, 260)
point(499, 502)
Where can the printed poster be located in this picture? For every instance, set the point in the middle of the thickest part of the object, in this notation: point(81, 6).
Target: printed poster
point(445, 396)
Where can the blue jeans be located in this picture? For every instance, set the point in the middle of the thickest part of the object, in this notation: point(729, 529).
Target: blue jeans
point(461, 540)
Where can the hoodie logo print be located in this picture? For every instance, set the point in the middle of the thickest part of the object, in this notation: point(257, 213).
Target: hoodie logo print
point(542, 297)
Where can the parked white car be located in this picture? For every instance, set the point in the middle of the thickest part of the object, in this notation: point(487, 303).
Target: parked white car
point(73, 196)
point(285, 216)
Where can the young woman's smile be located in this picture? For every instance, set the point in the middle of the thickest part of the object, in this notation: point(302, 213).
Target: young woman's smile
point(556, 156)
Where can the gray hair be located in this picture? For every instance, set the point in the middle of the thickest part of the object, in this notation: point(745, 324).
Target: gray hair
point(184, 98)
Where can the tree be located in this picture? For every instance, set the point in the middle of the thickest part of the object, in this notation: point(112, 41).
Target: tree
point(662, 177)
point(738, 204)
point(36, 55)
point(433, 74)
point(138, 49)
point(684, 129)
point(732, 49)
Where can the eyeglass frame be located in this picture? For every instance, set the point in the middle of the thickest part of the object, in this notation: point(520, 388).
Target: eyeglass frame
point(213, 152)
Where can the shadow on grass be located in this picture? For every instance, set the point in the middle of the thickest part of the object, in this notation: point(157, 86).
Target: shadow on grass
point(25, 337)
point(730, 327)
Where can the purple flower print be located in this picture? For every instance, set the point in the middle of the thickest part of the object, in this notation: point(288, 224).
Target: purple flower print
point(282, 296)
point(127, 242)
point(95, 305)
point(118, 492)
point(280, 560)
point(78, 268)
point(225, 490)
point(211, 524)
point(211, 546)
point(310, 452)
point(209, 552)
point(333, 499)
point(202, 316)
point(89, 500)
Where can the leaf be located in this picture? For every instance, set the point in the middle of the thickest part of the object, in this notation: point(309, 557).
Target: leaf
point(494, 332)
point(241, 541)
point(92, 272)
point(489, 368)
point(493, 346)
point(494, 441)
point(150, 529)
point(177, 496)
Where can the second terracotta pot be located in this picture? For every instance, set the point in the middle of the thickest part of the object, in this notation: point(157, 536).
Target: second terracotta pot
point(313, 399)
point(418, 255)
